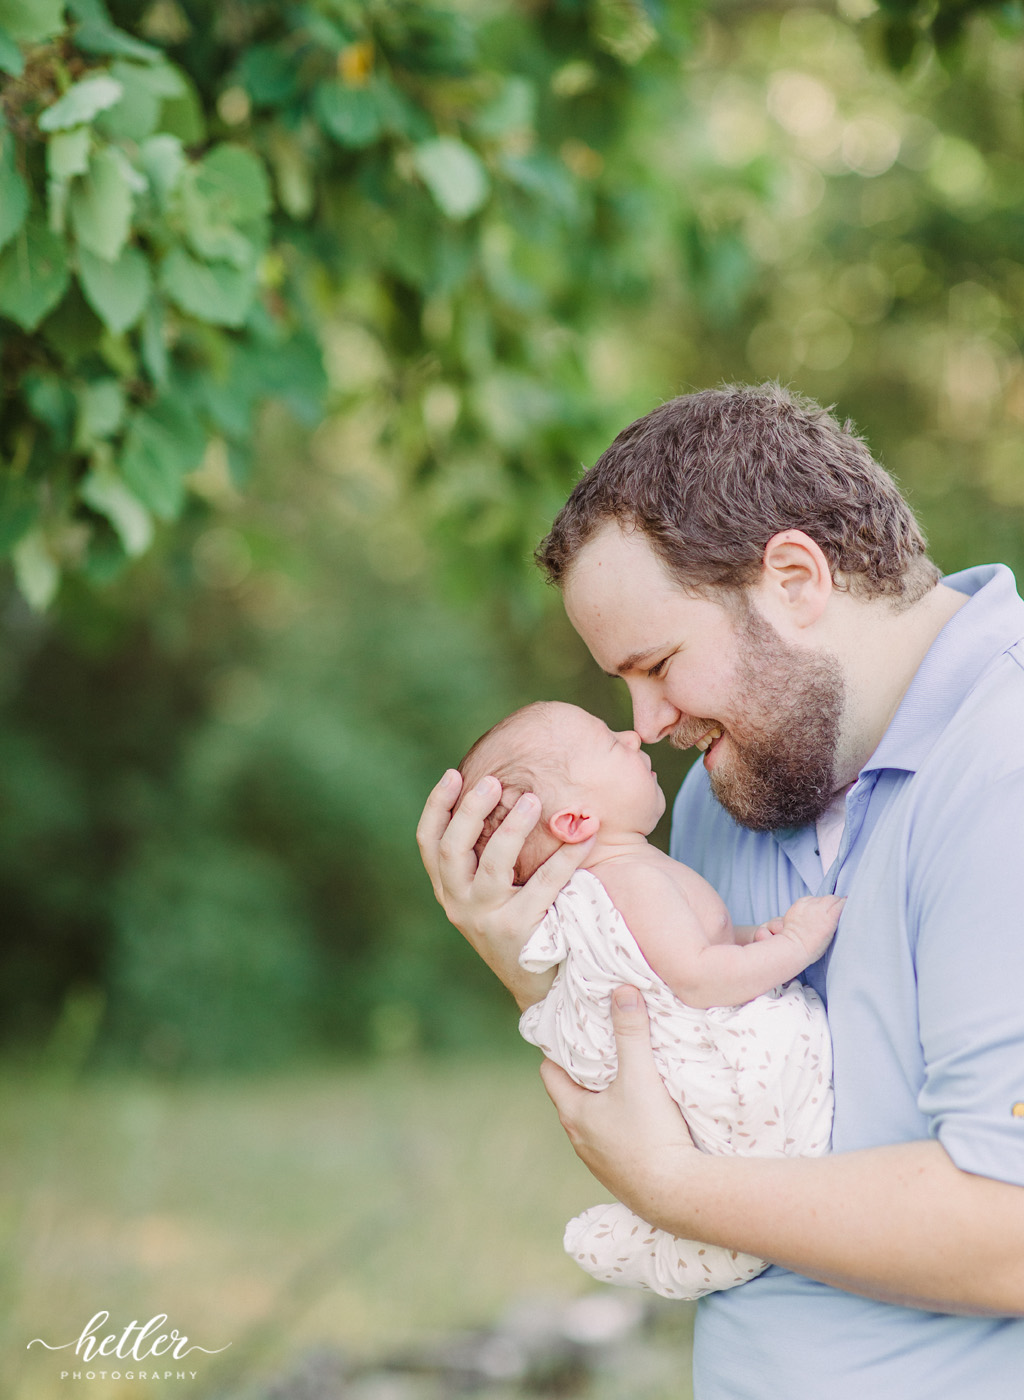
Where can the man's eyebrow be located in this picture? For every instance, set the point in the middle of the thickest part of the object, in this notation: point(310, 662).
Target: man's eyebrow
point(635, 657)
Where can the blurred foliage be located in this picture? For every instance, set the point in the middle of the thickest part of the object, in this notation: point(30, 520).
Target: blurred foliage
point(187, 190)
point(909, 26)
point(879, 225)
point(501, 231)
point(223, 808)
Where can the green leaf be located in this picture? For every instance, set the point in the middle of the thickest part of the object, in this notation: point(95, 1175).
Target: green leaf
point(514, 108)
point(281, 365)
point(438, 259)
point(350, 115)
point(293, 174)
point(105, 560)
point(325, 33)
point(101, 408)
point(548, 179)
point(117, 291)
point(163, 162)
point(106, 493)
point(33, 275)
point(105, 39)
point(119, 354)
point(224, 200)
point(217, 293)
point(81, 102)
point(13, 190)
point(67, 153)
point(268, 75)
point(51, 402)
point(73, 331)
point(218, 242)
point(298, 377)
point(183, 117)
point(11, 60)
point(18, 509)
point(101, 205)
point(399, 114)
point(454, 174)
point(137, 115)
point(229, 408)
point(153, 345)
point(433, 40)
point(163, 444)
point(32, 21)
point(57, 192)
point(35, 570)
point(96, 33)
point(233, 182)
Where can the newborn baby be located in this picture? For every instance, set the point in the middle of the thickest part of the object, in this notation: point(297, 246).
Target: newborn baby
point(743, 1050)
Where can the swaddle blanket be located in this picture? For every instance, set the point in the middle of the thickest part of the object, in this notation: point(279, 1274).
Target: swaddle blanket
point(754, 1079)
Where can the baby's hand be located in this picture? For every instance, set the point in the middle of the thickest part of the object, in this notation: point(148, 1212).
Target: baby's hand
point(810, 922)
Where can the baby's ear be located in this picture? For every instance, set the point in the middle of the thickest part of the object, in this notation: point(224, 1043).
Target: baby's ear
point(573, 827)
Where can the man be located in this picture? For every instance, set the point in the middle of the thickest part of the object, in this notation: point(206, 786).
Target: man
point(762, 588)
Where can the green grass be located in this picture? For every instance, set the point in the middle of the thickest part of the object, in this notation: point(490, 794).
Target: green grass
point(361, 1208)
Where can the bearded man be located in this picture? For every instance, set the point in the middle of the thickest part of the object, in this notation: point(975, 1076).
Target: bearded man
point(756, 579)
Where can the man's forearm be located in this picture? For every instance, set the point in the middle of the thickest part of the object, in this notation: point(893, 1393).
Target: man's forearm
point(902, 1224)
point(502, 956)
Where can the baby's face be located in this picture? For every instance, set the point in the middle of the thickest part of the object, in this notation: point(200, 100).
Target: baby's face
point(603, 771)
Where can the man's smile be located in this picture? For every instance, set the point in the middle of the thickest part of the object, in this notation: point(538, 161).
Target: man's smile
point(696, 736)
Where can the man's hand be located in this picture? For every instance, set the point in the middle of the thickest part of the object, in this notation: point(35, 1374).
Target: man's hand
point(631, 1135)
point(901, 1223)
point(493, 914)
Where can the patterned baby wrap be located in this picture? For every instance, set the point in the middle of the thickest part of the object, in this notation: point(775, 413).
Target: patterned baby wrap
point(754, 1079)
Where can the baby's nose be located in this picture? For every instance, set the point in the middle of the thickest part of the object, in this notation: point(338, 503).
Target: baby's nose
point(631, 737)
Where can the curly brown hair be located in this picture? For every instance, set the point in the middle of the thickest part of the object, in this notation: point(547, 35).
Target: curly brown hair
point(710, 477)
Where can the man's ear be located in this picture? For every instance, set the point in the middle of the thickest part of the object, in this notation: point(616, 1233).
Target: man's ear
point(795, 583)
point(572, 827)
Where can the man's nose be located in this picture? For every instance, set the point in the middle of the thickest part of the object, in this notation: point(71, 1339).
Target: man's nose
point(654, 717)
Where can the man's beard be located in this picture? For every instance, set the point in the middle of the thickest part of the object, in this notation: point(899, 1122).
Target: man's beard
point(780, 771)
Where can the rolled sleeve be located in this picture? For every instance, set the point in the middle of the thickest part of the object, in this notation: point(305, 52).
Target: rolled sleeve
point(970, 975)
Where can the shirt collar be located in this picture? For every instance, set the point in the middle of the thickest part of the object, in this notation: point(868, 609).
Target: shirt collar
point(990, 622)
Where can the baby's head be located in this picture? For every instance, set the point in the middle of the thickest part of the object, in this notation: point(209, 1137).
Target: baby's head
point(526, 751)
point(586, 777)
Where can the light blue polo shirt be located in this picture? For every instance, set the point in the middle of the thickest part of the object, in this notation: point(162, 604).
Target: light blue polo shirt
point(924, 985)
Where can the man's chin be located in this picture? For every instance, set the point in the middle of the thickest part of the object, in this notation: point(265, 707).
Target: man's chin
point(761, 805)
